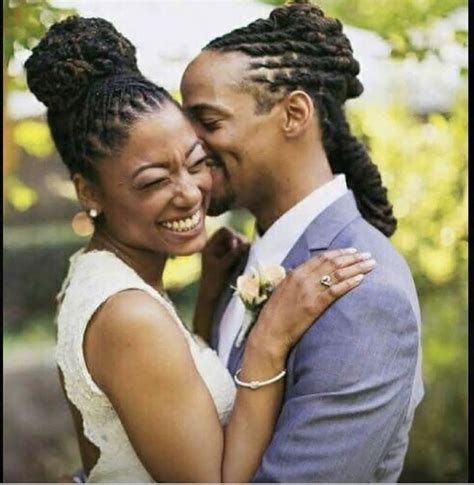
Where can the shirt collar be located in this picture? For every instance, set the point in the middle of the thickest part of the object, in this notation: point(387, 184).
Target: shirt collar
point(281, 236)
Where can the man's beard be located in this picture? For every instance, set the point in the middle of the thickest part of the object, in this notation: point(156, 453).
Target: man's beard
point(220, 205)
point(225, 200)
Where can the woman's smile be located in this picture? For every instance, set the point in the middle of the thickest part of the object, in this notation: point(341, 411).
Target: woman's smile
point(185, 224)
point(186, 228)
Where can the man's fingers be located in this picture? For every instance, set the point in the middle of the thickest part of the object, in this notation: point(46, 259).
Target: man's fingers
point(225, 235)
point(221, 234)
point(235, 253)
point(220, 243)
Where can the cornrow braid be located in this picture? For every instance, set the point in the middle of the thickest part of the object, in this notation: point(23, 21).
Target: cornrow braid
point(100, 124)
point(298, 47)
point(86, 73)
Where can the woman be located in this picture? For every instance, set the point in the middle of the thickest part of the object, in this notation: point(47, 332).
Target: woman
point(150, 401)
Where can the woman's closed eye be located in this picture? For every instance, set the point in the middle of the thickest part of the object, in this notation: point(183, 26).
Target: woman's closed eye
point(199, 164)
point(151, 176)
point(150, 183)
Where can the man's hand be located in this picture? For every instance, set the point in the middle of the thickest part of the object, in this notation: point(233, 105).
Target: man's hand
point(222, 252)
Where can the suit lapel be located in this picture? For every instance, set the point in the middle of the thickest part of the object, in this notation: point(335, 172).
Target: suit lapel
point(224, 301)
point(327, 225)
point(318, 236)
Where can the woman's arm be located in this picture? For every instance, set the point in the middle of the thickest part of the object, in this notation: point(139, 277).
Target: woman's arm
point(250, 427)
point(139, 357)
point(137, 354)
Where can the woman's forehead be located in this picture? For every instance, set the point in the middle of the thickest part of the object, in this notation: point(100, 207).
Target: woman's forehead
point(159, 136)
point(163, 127)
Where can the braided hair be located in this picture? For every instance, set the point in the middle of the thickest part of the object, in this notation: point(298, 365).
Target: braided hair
point(298, 47)
point(86, 74)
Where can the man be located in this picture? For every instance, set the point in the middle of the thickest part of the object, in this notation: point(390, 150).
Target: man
point(268, 100)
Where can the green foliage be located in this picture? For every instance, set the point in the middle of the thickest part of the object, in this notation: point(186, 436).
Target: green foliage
point(18, 194)
point(424, 166)
point(37, 333)
point(26, 21)
point(182, 271)
point(34, 137)
point(41, 236)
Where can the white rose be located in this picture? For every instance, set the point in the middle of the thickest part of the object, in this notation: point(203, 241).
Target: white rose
point(272, 275)
point(248, 288)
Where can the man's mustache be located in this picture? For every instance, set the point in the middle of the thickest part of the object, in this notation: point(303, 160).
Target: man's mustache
point(215, 161)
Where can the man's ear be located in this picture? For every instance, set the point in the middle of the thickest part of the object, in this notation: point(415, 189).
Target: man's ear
point(88, 193)
point(299, 113)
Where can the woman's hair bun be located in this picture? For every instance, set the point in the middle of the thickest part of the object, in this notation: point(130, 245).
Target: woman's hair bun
point(354, 88)
point(72, 55)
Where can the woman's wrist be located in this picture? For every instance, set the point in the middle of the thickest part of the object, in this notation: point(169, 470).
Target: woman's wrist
point(265, 335)
point(271, 352)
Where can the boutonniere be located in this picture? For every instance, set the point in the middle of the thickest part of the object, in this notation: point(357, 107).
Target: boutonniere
point(254, 289)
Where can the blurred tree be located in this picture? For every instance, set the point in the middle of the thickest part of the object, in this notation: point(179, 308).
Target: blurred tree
point(25, 22)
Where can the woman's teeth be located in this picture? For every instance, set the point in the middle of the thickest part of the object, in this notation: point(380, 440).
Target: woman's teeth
point(183, 225)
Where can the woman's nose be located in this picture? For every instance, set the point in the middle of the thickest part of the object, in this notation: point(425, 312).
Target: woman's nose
point(187, 193)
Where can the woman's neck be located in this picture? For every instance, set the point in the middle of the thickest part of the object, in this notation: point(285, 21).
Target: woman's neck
point(148, 265)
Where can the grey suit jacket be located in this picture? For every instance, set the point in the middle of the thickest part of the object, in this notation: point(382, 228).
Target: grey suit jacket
point(354, 378)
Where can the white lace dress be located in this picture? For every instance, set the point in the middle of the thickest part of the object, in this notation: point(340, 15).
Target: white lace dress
point(93, 278)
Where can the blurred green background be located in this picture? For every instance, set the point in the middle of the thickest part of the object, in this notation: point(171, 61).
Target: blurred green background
point(423, 159)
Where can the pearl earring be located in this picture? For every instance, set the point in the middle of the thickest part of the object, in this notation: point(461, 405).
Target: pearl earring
point(93, 213)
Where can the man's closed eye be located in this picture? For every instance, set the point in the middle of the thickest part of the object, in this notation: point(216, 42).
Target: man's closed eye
point(210, 125)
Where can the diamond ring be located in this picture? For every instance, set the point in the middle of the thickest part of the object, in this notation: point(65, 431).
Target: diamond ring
point(326, 280)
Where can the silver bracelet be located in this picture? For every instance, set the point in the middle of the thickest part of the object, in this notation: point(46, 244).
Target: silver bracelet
point(258, 384)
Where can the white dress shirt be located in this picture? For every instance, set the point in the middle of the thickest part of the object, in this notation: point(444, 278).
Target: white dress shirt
point(273, 247)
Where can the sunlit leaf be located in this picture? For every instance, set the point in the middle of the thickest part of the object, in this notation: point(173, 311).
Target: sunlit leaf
point(19, 195)
point(182, 271)
point(34, 137)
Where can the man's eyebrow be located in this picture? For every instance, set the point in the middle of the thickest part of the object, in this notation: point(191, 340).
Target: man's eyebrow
point(196, 108)
point(164, 164)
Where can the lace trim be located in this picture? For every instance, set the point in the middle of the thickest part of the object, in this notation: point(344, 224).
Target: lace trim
point(152, 291)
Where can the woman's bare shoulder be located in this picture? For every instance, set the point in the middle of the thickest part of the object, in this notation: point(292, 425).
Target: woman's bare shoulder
point(132, 326)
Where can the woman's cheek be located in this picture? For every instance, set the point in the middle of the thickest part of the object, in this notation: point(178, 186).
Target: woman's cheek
point(205, 180)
